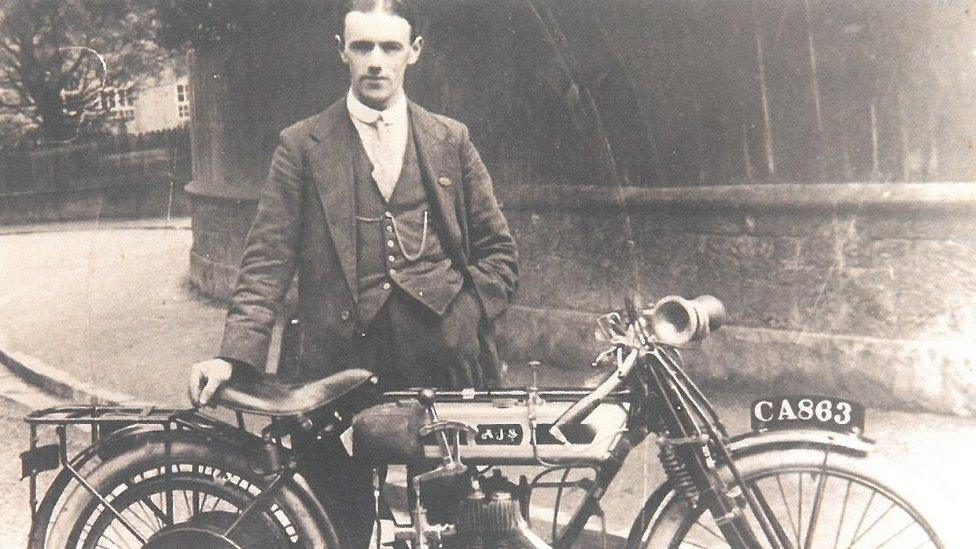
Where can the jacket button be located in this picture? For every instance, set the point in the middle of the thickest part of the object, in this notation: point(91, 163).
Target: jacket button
point(344, 315)
point(444, 181)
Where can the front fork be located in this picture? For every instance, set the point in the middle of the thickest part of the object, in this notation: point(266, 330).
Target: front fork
point(690, 459)
point(731, 506)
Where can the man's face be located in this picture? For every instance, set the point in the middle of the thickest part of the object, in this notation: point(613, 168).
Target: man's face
point(378, 50)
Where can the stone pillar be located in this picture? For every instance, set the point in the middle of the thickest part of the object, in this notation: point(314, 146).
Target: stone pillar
point(243, 92)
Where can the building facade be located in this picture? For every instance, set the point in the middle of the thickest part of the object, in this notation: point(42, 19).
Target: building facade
point(147, 108)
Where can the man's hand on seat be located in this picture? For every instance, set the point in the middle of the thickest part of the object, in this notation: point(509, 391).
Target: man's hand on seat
point(206, 377)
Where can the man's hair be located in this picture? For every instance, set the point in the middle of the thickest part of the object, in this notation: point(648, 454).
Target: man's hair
point(401, 8)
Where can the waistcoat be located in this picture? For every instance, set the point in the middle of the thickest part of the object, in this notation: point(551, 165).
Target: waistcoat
point(389, 232)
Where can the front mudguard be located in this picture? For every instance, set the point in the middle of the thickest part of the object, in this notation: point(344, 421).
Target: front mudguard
point(788, 439)
point(752, 443)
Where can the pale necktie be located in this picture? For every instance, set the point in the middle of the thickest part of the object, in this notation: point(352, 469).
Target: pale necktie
point(385, 161)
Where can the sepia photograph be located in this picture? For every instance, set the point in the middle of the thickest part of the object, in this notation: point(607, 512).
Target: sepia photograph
point(487, 274)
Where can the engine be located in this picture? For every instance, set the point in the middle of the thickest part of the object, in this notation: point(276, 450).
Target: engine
point(491, 517)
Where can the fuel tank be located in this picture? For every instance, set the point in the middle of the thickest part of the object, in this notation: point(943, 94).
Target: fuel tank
point(505, 436)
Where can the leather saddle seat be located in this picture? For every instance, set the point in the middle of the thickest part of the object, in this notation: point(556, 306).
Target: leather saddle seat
point(269, 397)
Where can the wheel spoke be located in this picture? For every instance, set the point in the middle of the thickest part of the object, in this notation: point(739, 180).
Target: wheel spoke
point(151, 519)
point(710, 531)
point(821, 512)
point(189, 506)
point(199, 502)
point(860, 523)
point(113, 526)
point(843, 512)
point(170, 516)
point(895, 535)
point(774, 521)
point(141, 517)
point(164, 518)
point(799, 510)
point(815, 512)
point(789, 512)
point(148, 500)
point(873, 524)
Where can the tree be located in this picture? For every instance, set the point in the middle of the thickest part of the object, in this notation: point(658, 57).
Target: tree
point(48, 57)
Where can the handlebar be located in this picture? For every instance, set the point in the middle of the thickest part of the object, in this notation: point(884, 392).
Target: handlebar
point(674, 321)
point(584, 406)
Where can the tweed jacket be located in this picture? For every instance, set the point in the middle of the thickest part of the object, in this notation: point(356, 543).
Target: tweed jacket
point(305, 223)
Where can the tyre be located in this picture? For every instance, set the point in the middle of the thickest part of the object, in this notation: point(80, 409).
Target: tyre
point(842, 501)
point(176, 490)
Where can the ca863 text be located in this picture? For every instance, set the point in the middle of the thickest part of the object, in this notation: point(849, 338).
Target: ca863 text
point(807, 411)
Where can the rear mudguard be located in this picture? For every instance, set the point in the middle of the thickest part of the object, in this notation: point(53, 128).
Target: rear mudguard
point(203, 430)
point(52, 496)
point(768, 441)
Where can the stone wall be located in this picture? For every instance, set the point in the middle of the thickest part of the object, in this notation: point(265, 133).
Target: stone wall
point(867, 290)
point(862, 290)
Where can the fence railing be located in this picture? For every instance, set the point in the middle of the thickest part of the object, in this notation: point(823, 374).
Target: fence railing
point(97, 162)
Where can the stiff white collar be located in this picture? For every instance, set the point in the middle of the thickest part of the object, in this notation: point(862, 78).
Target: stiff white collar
point(395, 114)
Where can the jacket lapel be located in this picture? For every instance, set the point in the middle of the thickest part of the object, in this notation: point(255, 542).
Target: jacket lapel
point(440, 174)
point(331, 162)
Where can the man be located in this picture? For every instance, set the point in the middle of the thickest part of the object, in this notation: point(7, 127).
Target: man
point(374, 170)
point(386, 211)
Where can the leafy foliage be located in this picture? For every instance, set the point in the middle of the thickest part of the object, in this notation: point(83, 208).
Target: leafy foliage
point(48, 58)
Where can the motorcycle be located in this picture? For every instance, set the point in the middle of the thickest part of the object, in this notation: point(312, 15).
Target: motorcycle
point(160, 478)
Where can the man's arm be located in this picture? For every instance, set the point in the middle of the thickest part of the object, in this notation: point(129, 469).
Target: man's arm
point(493, 255)
point(268, 262)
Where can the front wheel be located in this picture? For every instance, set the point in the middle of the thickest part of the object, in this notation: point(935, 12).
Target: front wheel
point(813, 500)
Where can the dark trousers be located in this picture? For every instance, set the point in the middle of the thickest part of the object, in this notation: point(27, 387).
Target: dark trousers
point(408, 346)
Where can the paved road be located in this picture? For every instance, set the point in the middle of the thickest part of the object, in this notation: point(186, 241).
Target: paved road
point(16, 401)
point(14, 512)
point(111, 307)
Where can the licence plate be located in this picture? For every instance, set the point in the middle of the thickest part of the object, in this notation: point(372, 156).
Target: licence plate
point(807, 412)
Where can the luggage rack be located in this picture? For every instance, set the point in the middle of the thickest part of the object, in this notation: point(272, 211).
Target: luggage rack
point(95, 414)
point(102, 420)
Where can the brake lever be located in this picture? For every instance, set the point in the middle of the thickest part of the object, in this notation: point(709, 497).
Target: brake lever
point(598, 361)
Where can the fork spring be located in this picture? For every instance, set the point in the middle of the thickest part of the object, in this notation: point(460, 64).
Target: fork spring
point(676, 471)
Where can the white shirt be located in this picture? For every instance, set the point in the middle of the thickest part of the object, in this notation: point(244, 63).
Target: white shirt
point(384, 137)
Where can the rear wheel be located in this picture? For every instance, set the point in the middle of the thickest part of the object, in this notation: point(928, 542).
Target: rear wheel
point(815, 500)
point(184, 493)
